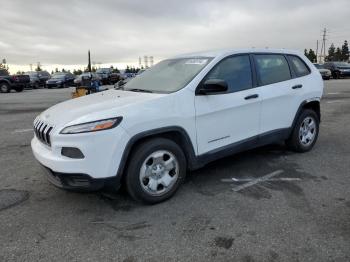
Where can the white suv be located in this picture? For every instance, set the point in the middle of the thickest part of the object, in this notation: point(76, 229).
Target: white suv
point(179, 115)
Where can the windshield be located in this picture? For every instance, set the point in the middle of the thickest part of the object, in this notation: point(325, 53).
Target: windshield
point(58, 76)
point(342, 64)
point(31, 73)
point(102, 71)
point(169, 75)
point(318, 66)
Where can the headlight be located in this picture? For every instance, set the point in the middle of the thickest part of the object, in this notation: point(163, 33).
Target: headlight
point(99, 125)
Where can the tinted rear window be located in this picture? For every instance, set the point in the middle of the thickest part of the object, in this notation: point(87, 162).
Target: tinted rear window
point(299, 66)
point(272, 69)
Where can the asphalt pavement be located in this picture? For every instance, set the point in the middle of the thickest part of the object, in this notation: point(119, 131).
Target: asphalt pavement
point(268, 204)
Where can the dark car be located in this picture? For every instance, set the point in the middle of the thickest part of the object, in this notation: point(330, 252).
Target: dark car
point(38, 78)
point(325, 73)
point(61, 80)
point(338, 69)
point(16, 82)
point(86, 75)
point(107, 76)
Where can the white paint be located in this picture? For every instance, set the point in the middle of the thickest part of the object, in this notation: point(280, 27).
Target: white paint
point(23, 130)
point(258, 180)
point(233, 179)
point(335, 101)
point(335, 93)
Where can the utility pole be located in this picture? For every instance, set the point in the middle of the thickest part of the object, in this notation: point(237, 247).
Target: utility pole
point(317, 51)
point(31, 67)
point(323, 46)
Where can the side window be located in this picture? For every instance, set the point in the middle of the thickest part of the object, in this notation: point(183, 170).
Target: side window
point(236, 71)
point(272, 69)
point(299, 66)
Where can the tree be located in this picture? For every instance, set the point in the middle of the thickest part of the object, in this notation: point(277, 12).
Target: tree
point(56, 70)
point(345, 51)
point(127, 70)
point(52, 72)
point(331, 53)
point(338, 54)
point(3, 65)
point(63, 70)
point(38, 68)
point(311, 55)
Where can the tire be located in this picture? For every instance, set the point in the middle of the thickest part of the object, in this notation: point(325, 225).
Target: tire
point(162, 164)
point(336, 75)
point(5, 88)
point(19, 89)
point(36, 85)
point(305, 132)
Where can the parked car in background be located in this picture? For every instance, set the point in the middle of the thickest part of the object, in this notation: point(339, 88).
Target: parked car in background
point(108, 77)
point(15, 82)
point(177, 116)
point(87, 75)
point(62, 80)
point(38, 78)
point(338, 69)
point(325, 73)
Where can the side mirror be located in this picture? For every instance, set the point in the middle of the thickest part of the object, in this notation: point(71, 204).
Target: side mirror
point(213, 87)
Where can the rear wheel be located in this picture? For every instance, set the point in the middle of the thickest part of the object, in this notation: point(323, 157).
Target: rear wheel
point(155, 171)
point(4, 88)
point(305, 132)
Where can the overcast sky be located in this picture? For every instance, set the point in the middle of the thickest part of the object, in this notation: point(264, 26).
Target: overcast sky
point(61, 31)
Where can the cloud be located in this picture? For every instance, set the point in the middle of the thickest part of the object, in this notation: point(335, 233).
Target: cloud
point(61, 32)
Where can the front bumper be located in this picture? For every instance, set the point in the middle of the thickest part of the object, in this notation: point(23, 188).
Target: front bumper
point(76, 182)
point(50, 85)
point(344, 73)
point(102, 153)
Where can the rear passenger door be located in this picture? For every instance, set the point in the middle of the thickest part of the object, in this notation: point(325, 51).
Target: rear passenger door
point(281, 92)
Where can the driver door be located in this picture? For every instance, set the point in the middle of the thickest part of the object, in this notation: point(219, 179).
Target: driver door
point(231, 117)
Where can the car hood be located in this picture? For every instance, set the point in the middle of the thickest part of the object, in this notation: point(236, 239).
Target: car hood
point(103, 105)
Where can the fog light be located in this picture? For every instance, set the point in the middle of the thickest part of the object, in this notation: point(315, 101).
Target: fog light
point(72, 152)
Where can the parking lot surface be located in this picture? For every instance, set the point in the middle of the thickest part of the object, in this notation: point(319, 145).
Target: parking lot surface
point(268, 204)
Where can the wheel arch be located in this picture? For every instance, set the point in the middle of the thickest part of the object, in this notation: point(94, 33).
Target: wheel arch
point(313, 104)
point(174, 133)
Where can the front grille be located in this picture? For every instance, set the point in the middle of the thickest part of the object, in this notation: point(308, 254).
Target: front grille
point(42, 131)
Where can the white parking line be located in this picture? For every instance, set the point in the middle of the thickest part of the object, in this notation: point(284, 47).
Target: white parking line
point(335, 93)
point(233, 179)
point(23, 130)
point(335, 101)
point(257, 180)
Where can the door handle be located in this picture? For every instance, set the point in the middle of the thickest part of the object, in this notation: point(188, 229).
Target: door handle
point(297, 86)
point(251, 96)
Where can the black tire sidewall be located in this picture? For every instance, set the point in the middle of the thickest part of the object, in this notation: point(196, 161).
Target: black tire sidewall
point(296, 143)
point(138, 156)
point(7, 89)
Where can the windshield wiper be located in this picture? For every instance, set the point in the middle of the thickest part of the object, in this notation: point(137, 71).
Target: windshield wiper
point(140, 90)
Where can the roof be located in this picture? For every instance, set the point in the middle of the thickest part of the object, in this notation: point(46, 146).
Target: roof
point(225, 52)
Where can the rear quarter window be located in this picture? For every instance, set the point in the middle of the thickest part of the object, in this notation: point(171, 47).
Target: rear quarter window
point(299, 66)
point(272, 68)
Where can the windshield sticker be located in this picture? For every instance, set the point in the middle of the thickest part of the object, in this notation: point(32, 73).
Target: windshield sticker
point(196, 61)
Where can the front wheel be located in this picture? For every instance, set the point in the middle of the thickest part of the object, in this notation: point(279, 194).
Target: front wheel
point(305, 132)
point(155, 170)
point(4, 88)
